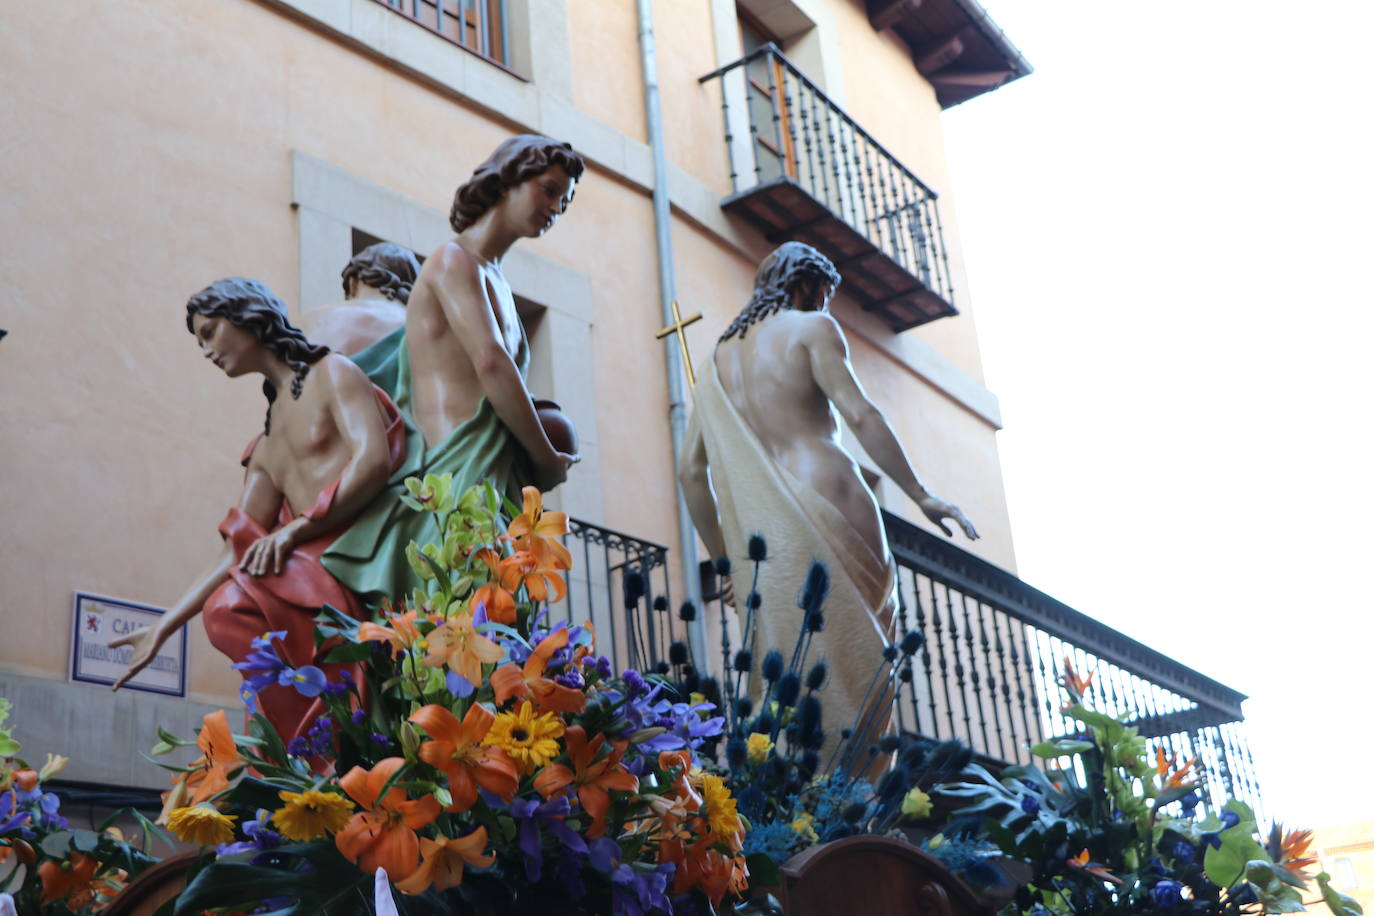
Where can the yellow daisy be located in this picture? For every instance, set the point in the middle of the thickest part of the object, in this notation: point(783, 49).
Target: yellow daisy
point(311, 814)
point(530, 740)
point(202, 825)
point(721, 816)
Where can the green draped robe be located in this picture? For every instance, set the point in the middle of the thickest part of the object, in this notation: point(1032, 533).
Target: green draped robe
point(370, 557)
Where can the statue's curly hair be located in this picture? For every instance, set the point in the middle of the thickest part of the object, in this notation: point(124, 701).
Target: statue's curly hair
point(515, 161)
point(789, 266)
point(250, 305)
point(385, 267)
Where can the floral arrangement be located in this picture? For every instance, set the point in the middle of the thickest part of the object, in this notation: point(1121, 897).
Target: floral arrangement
point(798, 785)
point(46, 867)
point(481, 759)
point(1116, 831)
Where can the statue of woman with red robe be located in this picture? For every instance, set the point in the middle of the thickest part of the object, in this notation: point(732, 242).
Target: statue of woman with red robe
point(325, 451)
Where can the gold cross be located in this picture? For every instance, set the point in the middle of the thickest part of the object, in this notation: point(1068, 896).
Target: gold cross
point(676, 328)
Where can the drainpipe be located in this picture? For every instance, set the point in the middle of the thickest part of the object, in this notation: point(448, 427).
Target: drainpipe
point(667, 292)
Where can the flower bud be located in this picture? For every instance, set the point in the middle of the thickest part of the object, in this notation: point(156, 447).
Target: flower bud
point(410, 739)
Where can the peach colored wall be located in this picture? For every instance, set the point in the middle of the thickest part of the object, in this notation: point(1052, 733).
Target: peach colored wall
point(603, 41)
point(150, 154)
point(893, 102)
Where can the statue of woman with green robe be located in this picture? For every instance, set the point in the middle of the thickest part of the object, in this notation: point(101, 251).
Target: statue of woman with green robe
point(457, 368)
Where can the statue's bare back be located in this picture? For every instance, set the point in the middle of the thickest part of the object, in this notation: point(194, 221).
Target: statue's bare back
point(769, 375)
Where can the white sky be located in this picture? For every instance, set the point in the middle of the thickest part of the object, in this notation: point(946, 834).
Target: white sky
point(1168, 236)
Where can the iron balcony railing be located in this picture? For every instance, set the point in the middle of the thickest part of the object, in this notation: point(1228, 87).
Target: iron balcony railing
point(620, 583)
point(781, 130)
point(995, 647)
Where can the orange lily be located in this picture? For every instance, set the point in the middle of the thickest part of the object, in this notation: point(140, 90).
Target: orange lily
point(457, 750)
point(209, 773)
point(499, 603)
point(528, 682)
point(456, 643)
point(26, 779)
point(700, 865)
point(682, 762)
point(594, 778)
point(527, 568)
point(383, 834)
point(402, 634)
point(538, 531)
point(61, 880)
point(444, 860)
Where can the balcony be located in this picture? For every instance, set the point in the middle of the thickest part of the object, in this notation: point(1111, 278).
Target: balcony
point(620, 583)
point(803, 170)
point(994, 648)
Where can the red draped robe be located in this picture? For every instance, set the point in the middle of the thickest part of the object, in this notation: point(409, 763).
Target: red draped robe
point(245, 607)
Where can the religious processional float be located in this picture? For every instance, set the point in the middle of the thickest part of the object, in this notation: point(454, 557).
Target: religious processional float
point(478, 760)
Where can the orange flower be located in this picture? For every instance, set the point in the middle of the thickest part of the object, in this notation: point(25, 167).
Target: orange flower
point(61, 880)
point(1076, 686)
point(402, 634)
point(499, 603)
point(456, 643)
point(537, 531)
point(700, 865)
point(594, 778)
point(1083, 861)
point(511, 680)
point(444, 860)
point(527, 568)
point(1294, 851)
point(1164, 764)
point(383, 834)
point(209, 774)
point(457, 750)
point(25, 779)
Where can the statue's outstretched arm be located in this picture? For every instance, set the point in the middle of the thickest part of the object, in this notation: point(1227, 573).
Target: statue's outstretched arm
point(462, 292)
point(833, 373)
point(260, 499)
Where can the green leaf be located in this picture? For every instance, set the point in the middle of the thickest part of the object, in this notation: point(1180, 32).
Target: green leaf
point(1225, 866)
point(763, 871)
point(173, 739)
point(254, 793)
point(350, 652)
point(1061, 747)
point(324, 888)
point(1339, 904)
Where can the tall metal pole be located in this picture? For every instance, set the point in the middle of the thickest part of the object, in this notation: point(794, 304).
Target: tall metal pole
point(667, 292)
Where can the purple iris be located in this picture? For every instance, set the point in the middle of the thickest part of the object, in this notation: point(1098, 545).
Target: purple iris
point(48, 815)
point(260, 836)
point(531, 815)
point(633, 892)
point(458, 685)
point(1167, 893)
point(308, 680)
point(10, 818)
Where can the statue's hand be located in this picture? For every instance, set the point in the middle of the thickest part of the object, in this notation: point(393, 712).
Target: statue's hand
point(145, 643)
point(937, 510)
point(551, 475)
point(267, 553)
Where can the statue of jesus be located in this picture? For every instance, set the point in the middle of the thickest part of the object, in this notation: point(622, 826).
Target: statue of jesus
point(763, 456)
